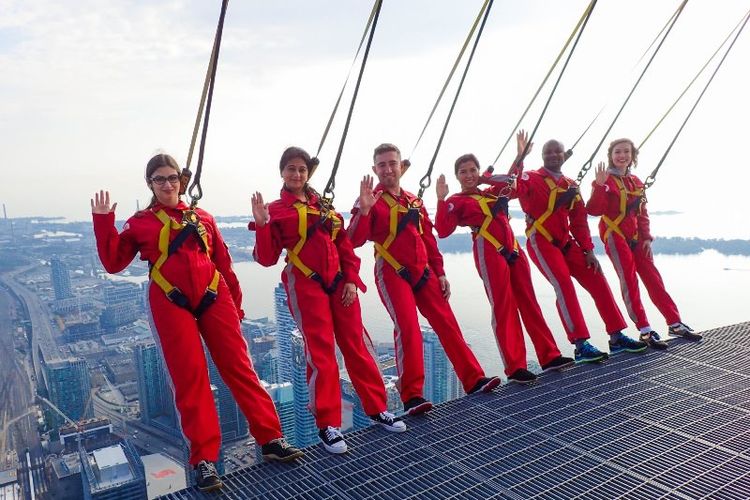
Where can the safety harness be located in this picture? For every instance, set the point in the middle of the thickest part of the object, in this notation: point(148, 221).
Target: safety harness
point(567, 196)
point(499, 203)
point(190, 226)
point(613, 225)
point(412, 214)
point(305, 232)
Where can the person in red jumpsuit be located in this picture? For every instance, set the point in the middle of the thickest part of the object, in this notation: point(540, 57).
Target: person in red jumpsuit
point(559, 243)
point(502, 265)
point(189, 260)
point(619, 198)
point(409, 275)
point(321, 280)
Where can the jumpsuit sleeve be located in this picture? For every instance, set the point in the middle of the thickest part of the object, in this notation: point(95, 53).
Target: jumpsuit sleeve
point(597, 204)
point(223, 261)
point(446, 218)
point(579, 226)
point(434, 258)
point(359, 227)
point(116, 250)
point(348, 259)
point(267, 244)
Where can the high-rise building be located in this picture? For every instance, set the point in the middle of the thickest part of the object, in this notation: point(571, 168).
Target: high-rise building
point(60, 277)
point(154, 390)
point(360, 420)
point(257, 328)
point(265, 358)
point(69, 388)
point(231, 420)
point(441, 382)
point(304, 422)
point(118, 292)
point(113, 472)
point(285, 325)
point(283, 397)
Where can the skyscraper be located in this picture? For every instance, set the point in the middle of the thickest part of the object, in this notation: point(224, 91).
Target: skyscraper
point(154, 391)
point(69, 388)
point(285, 324)
point(304, 422)
point(231, 420)
point(360, 420)
point(441, 382)
point(283, 399)
point(60, 277)
point(113, 472)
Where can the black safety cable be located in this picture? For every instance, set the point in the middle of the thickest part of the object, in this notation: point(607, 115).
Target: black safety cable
point(587, 166)
point(699, 73)
point(426, 180)
point(195, 191)
point(645, 52)
point(544, 80)
point(328, 193)
point(652, 176)
point(346, 81)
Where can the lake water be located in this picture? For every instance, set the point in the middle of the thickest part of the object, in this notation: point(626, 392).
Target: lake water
point(710, 289)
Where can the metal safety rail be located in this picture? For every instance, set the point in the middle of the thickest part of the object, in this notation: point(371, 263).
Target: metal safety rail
point(672, 424)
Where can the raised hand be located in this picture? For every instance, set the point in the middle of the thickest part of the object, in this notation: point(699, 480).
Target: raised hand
point(366, 199)
point(260, 210)
point(522, 139)
point(100, 203)
point(601, 174)
point(441, 187)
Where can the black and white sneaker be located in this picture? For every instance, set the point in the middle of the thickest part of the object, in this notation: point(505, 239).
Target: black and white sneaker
point(522, 376)
point(206, 476)
point(417, 406)
point(559, 363)
point(389, 422)
point(280, 451)
point(653, 340)
point(333, 440)
point(684, 331)
point(485, 384)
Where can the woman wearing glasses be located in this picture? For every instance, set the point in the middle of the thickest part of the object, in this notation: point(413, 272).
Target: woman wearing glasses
point(193, 293)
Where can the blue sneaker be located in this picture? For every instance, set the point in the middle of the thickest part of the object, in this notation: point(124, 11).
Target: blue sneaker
point(587, 353)
point(626, 344)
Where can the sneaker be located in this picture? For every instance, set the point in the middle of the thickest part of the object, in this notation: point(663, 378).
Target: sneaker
point(206, 476)
point(417, 406)
point(653, 340)
point(587, 353)
point(522, 376)
point(485, 384)
point(389, 422)
point(684, 331)
point(558, 363)
point(333, 440)
point(626, 344)
point(280, 451)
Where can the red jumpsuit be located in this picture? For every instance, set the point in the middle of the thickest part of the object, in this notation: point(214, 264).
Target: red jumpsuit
point(624, 227)
point(320, 316)
point(178, 333)
point(508, 285)
point(415, 252)
point(560, 254)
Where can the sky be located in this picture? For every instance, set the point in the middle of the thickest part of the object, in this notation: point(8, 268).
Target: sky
point(91, 89)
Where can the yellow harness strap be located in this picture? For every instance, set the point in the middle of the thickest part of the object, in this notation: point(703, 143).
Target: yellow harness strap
point(538, 224)
point(302, 211)
point(614, 225)
point(483, 230)
point(170, 224)
point(382, 250)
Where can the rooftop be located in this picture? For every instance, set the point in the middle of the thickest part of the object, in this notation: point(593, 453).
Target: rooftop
point(670, 424)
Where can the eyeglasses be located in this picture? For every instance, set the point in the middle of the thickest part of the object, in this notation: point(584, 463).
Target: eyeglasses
point(159, 180)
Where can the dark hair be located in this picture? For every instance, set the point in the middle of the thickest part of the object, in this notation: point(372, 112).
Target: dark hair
point(154, 164)
point(465, 159)
point(633, 151)
point(293, 152)
point(385, 148)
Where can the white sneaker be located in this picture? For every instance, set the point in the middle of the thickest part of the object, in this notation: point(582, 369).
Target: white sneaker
point(333, 440)
point(389, 422)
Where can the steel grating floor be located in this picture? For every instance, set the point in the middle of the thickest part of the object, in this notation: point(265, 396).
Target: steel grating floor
point(672, 424)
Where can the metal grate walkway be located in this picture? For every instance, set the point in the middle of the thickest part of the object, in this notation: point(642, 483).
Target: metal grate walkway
point(672, 424)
